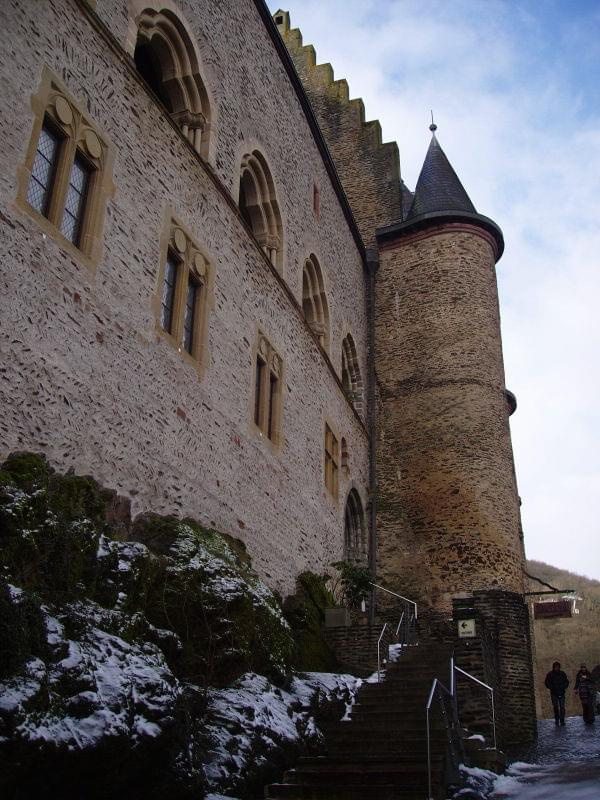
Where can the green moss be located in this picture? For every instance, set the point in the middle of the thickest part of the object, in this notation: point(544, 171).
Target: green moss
point(305, 613)
point(192, 581)
point(22, 630)
point(48, 527)
point(26, 471)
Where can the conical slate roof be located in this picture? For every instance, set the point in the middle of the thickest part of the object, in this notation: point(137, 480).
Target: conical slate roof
point(438, 188)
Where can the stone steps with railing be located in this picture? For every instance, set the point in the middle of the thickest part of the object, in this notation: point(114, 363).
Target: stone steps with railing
point(380, 752)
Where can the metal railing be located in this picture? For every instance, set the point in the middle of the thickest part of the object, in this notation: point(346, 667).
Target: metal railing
point(405, 625)
point(485, 686)
point(385, 625)
point(452, 728)
point(389, 591)
point(450, 723)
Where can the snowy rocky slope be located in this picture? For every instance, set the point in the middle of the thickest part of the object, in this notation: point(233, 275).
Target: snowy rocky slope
point(140, 660)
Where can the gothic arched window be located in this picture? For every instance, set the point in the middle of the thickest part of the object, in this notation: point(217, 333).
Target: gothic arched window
point(314, 300)
point(351, 378)
point(258, 206)
point(355, 544)
point(166, 59)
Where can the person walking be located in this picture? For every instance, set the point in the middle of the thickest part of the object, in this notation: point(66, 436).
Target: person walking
point(557, 682)
point(584, 686)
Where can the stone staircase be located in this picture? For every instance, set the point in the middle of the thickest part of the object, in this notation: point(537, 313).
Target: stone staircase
point(380, 753)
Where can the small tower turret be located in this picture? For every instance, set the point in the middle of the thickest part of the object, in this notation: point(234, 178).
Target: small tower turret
point(448, 519)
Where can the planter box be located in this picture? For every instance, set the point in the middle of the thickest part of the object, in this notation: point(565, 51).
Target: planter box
point(337, 618)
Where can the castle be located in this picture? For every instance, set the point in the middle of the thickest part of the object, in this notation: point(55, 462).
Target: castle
point(220, 300)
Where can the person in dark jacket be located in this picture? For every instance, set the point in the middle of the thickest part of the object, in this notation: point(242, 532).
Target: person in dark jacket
point(557, 682)
point(584, 686)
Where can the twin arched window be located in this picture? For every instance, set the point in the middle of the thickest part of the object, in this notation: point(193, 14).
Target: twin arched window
point(167, 60)
point(314, 301)
point(351, 378)
point(258, 206)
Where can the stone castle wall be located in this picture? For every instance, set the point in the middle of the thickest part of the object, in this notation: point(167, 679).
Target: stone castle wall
point(500, 655)
point(368, 168)
point(86, 378)
point(448, 511)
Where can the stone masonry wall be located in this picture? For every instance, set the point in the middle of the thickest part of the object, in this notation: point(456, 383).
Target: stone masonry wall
point(501, 655)
point(448, 512)
point(355, 647)
point(368, 168)
point(84, 376)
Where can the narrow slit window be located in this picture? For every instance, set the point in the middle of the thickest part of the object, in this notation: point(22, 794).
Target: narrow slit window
point(189, 317)
point(39, 190)
point(168, 293)
point(75, 200)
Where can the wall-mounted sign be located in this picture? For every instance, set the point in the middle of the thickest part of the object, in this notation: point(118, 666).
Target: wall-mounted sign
point(466, 628)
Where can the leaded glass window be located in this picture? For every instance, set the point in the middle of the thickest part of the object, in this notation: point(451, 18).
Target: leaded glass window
point(42, 172)
point(258, 381)
point(75, 200)
point(168, 293)
point(189, 316)
point(331, 461)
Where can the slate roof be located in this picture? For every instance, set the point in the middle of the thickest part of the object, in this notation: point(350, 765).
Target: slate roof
point(438, 187)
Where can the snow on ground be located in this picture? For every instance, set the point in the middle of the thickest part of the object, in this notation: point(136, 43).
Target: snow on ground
point(564, 764)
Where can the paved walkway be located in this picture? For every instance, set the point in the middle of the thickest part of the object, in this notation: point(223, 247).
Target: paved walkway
point(564, 764)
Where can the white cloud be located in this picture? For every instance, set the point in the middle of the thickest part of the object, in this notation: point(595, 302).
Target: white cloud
point(514, 95)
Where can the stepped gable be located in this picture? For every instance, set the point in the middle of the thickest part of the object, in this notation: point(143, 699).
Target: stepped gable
point(438, 187)
point(369, 169)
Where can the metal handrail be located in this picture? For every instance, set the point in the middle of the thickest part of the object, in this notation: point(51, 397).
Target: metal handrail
point(485, 686)
point(385, 625)
point(389, 591)
point(437, 684)
point(399, 624)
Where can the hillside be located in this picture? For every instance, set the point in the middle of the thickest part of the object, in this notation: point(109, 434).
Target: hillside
point(570, 641)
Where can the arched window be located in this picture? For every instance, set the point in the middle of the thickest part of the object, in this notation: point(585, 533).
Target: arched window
point(258, 206)
point(355, 544)
point(314, 301)
point(166, 58)
point(351, 379)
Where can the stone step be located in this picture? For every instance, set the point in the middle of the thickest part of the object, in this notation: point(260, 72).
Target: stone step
point(280, 791)
point(340, 764)
point(332, 772)
point(358, 747)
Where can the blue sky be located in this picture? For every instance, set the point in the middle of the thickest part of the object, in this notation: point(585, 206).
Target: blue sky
point(515, 91)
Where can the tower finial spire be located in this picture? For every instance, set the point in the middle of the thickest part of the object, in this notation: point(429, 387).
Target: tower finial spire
point(433, 126)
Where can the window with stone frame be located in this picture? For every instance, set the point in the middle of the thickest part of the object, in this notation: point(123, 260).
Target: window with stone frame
point(331, 462)
point(267, 390)
point(167, 59)
point(183, 293)
point(314, 300)
point(66, 178)
point(351, 377)
point(259, 207)
point(355, 546)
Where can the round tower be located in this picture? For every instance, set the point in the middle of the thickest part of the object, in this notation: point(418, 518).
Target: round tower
point(448, 510)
